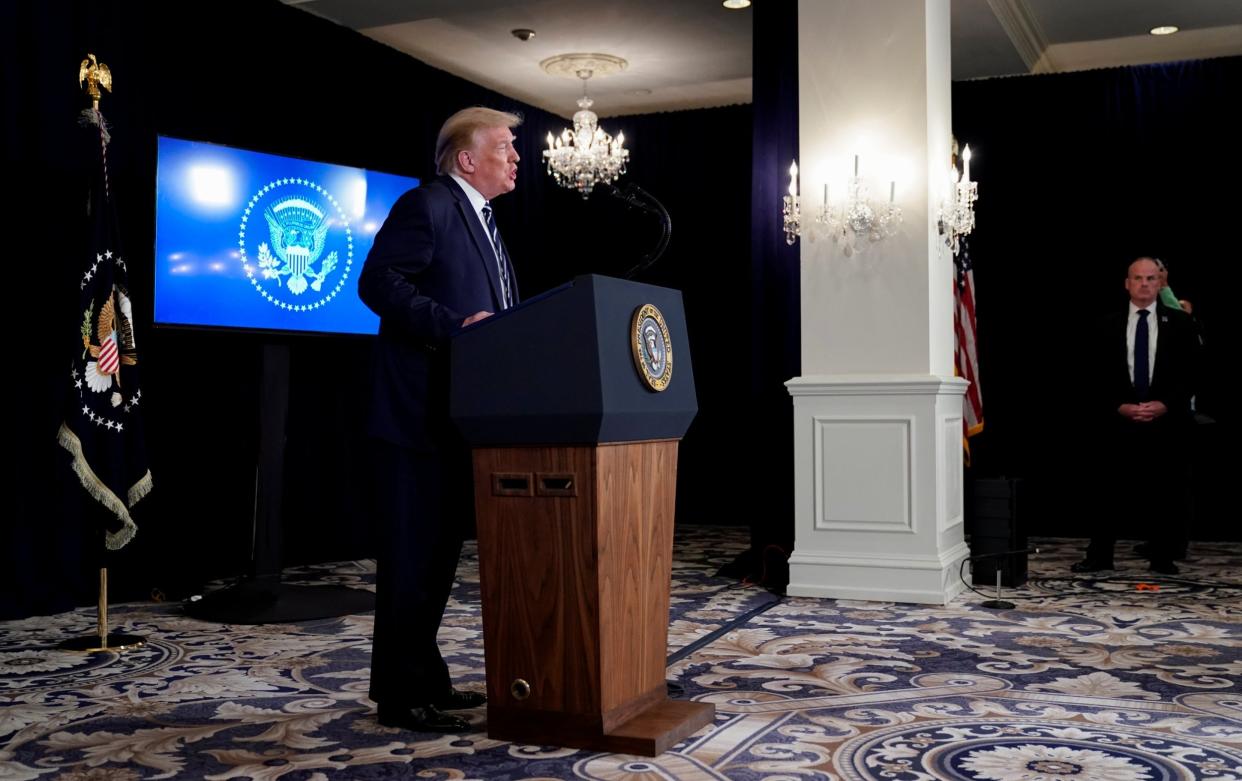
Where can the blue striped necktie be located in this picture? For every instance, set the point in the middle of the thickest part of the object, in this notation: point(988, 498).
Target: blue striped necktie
point(502, 263)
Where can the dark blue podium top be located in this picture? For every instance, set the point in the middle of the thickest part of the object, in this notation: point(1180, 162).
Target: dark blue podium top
point(560, 369)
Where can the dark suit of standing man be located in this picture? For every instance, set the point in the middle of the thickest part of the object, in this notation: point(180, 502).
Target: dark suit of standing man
point(437, 265)
point(1145, 361)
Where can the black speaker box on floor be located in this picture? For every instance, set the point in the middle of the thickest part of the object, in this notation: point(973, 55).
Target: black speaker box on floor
point(995, 528)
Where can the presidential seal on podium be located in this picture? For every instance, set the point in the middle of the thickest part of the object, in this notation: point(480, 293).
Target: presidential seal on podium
point(652, 347)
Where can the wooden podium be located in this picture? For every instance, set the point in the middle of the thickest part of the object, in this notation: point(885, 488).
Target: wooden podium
point(575, 464)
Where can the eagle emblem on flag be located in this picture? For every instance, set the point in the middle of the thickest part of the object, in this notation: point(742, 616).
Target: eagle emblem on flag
point(109, 340)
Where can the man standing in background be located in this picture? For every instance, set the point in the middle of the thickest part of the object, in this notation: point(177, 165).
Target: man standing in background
point(1146, 359)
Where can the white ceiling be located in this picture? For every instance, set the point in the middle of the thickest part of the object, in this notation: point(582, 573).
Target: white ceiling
point(695, 53)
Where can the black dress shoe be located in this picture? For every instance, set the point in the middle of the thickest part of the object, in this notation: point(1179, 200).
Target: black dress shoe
point(1089, 565)
point(422, 718)
point(1164, 567)
point(459, 699)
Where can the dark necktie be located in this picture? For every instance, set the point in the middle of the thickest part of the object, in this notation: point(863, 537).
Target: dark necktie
point(1142, 371)
point(502, 263)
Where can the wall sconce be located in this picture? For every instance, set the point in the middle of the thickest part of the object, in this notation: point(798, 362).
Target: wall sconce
point(791, 213)
point(957, 216)
point(853, 223)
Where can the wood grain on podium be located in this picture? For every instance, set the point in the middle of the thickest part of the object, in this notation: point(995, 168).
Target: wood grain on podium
point(540, 583)
point(636, 547)
point(575, 596)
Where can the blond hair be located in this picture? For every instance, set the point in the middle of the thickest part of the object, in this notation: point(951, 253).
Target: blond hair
point(457, 133)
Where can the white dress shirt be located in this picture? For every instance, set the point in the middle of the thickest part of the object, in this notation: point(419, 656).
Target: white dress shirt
point(478, 202)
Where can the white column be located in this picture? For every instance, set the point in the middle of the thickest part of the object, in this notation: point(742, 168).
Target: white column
point(877, 411)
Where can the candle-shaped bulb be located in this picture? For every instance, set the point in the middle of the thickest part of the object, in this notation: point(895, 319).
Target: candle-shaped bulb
point(551, 141)
point(621, 139)
point(793, 178)
point(855, 166)
point(966, 163)
point(825, 195)
point(892, 191)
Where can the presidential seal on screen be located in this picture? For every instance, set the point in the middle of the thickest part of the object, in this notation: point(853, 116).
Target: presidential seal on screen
point(296, 245)
point(652, 348)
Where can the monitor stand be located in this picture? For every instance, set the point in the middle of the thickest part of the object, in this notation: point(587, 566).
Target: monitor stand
point(261, 597)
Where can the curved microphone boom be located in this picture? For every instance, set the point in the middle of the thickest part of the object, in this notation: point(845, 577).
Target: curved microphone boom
point(635, 197)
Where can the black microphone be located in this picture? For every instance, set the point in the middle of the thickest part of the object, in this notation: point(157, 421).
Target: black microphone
point(632, 196)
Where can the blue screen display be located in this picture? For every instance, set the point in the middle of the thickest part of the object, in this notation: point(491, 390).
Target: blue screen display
point(263, 242)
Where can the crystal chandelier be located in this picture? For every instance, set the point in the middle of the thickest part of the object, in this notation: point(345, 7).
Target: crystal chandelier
point(585, 156)
point(957, 215)
point(853, 223)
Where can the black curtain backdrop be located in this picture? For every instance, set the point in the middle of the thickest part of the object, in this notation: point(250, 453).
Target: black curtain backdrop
point(775, 283)
point(261, 75)
point(1079, 174)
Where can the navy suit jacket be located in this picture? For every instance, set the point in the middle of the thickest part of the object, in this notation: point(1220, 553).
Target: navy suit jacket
point(1172, 377)
point(432, 265)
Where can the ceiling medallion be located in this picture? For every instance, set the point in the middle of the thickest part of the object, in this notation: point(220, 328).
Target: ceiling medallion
point(571, 65)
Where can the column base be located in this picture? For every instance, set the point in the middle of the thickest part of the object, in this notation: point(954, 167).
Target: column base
point(878, 488)
point(929, 580)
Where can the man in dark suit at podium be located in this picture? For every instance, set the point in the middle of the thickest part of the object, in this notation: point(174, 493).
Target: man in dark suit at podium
point(437, 264)
point(1145, 360)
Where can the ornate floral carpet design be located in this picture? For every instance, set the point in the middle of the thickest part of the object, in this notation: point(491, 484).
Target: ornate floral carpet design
point(1125, 676)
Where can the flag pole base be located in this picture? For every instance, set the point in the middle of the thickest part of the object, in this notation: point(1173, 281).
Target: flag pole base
point(116, 641)
point(103, 640)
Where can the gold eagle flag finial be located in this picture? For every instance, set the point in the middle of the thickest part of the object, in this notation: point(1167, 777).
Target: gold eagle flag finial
point(94, 75)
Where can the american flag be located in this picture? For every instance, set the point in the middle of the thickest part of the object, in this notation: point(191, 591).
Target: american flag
point(966, 358)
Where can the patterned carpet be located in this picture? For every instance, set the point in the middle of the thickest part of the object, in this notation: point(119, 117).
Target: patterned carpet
point(1127, 677)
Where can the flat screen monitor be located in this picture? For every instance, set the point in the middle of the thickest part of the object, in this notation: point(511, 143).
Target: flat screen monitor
point(260, 242)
